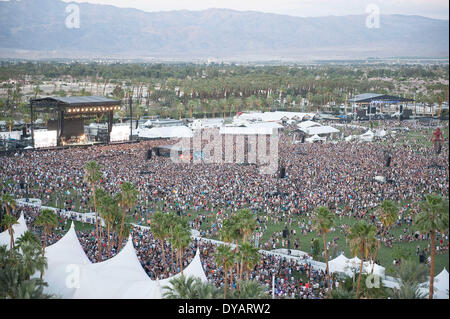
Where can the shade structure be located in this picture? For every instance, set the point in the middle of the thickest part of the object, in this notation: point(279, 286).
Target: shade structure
point(64, 259)
point(111, 278)
point(339, 264)
point(367, 137)
point(166, 132)
point(320, 130)
point(19, 229)
point(315, 138)
point(307, 124)
point(195, 269)
point(251, 129)
point(441, 286)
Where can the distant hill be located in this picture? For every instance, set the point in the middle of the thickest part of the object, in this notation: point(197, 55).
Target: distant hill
point(39, 25)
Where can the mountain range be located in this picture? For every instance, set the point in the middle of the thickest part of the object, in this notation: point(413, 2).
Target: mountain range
point(38, 27)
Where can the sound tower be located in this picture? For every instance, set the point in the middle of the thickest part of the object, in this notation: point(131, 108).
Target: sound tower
point(149, 154)
point(388, 160)
point(282, 172)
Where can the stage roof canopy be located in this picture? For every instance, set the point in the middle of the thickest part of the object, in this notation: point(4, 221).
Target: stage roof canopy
point(380, 98)
point(80, 101)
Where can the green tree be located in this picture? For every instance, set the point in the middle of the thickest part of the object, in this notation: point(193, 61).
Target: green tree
point(8, 222)
point(433, 218)
point(126, 199)
point(362, 240)
point(224, 257)
point(323, 221)
point(93, 175)
point(387, 213)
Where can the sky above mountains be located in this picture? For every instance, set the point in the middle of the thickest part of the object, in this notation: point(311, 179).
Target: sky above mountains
point(438, 9)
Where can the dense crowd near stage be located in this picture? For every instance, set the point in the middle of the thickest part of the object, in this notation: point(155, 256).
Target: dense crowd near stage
point(337, 175)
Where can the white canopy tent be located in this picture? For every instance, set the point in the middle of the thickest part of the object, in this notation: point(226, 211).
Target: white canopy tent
point(315, 138)
point(111, 278)
point(308, 124)
point(320, 130)
point(166, 132)
point(195, 269)
point(250, 129)
point(339, 264)
point(441, 286)
point(64, 259)
point(18, 229)
point(367, 137)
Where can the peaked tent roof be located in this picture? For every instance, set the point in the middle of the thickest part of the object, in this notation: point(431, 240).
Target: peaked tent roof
point(110, 278)
point(338, 264)
point(19, 229)
point(63, 258)
point(195, 269)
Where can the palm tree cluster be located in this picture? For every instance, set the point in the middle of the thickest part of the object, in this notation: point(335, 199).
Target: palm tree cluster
point(108, 207)
point(174, 229)
point(19, 265)
point(244, 257)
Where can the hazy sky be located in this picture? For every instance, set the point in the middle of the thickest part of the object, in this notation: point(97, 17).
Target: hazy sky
point(304, 8)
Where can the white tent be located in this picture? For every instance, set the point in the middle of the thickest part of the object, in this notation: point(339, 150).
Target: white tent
point(166, 132)
point(18, 229)
point(320, 130)
point(339, 264)
point(381, 133)
point(64, 259)
point(368, 136)
point(377, 269)
point(148, 123)
point(315, 138)
point(110, 279)
point(250, 129)
point(195, 269)
point(441, 283)
point(307, 124)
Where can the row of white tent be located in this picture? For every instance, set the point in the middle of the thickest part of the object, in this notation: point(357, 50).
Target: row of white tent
point(247, 128)
point(277, 116)
point(342, 264)
point(71, 275)
point(348, 266)
point(367, 136)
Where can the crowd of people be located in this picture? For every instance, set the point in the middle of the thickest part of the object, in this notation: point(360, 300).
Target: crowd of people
point(337, 175)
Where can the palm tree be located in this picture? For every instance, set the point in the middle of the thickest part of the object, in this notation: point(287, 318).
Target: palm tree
point(323, 221)
point(432, 219)
point(28, 237)
point(126, 199)
point(250, 289)
point(246, 223)
point(387, 213)
point(158, 226)
point(362, 239)
point(181, 239)
point(47, 219)
point(250, 257)
point(8, 202)
point(223, 257)
point(92, 175)
point(109, 211)
point(182, 287)
point(411, 274)
point(8, 222)
point(32, 258)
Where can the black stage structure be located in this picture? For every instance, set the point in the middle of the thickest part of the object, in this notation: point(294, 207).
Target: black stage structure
point(368, 103)
point(69, 113)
